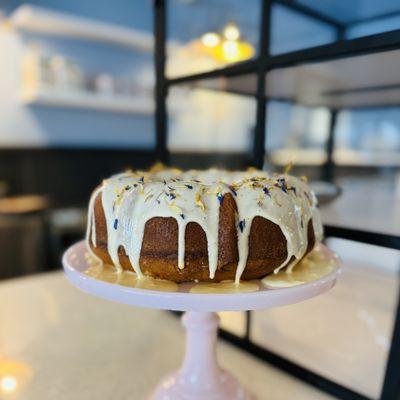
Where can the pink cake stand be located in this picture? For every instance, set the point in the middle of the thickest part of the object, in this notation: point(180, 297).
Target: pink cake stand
point(200, 376)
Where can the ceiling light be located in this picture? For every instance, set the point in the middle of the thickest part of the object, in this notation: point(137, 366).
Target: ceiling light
point(210, 39)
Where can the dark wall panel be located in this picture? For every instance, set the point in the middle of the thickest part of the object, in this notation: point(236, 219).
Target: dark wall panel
point(67, 176)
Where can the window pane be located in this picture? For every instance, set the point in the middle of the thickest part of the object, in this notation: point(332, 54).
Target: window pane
point(304, 31)
point(348, 11)
point(206, 120)
point(314, 23)
point(296, 134)
point(368, 137)
point(369, 28)
point(205, 35)
point(344, 334)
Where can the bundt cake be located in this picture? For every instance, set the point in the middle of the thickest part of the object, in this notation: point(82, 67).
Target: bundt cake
point(207, 225)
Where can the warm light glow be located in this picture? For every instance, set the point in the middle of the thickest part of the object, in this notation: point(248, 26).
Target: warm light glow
point(230, 50)
point(210, 39)
point(232, 32)
point(13, 376)
point(225, 47)
point(8, 384)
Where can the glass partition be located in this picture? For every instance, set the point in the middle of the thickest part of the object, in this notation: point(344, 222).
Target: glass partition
point(296, 134)
point(207, 35)
point(368, 138)
point(206, 120)
point(304, 32)
point(345, 334)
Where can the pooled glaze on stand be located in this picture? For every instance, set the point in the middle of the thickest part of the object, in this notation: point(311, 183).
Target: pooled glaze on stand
point(311, 268)
point(131, 199)
point(108, 273)
point(225, 287)
point(314, 266)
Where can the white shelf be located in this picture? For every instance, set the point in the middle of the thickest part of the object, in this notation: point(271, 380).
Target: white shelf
point(142, 105)
point(36, 19)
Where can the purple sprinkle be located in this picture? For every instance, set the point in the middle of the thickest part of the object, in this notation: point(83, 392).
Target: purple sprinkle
point(281, 184)
point(116, 224)
point(233, 190)
point(189, 186)
point(266, 191)
point(141, 179)
point(220, 197)
point(182, 216)
point(242, 224)
point(171, 196)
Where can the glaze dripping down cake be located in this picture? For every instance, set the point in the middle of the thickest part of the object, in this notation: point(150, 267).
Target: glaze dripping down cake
point(207, 225)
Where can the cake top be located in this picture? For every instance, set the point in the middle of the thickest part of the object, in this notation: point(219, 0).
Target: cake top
point(130, 199)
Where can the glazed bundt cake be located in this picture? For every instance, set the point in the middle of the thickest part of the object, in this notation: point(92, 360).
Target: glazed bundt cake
point(207, 225)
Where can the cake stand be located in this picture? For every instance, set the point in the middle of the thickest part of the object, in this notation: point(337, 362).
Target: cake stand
point(200, 376)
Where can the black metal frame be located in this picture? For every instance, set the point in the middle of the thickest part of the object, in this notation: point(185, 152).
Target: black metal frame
point(263, 63)
point(292, 368)
point(391, 384)
point(160, 87)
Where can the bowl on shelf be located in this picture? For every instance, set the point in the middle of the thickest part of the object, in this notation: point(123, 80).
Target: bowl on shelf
point(325, 191)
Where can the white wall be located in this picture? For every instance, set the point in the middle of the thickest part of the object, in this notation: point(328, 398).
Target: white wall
point(35, 126)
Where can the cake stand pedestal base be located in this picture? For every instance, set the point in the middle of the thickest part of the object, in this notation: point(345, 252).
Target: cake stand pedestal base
point(200, 377)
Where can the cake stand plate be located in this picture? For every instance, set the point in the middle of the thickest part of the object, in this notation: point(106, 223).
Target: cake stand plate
point(200, 376)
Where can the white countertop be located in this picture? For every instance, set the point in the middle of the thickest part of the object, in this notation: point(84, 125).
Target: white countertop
point(74, 346)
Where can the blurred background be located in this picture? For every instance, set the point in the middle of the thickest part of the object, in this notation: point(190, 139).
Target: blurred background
point(315, 84)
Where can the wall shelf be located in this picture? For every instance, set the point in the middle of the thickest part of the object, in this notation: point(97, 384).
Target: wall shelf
point(89, 101)
point(40, 20)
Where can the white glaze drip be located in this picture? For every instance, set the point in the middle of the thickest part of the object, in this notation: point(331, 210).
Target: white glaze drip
point(93, 228)
point(181, 244)
point(131, 199)
point(91, 225)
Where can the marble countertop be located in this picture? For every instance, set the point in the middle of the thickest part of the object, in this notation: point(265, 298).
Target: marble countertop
point(59, 343)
